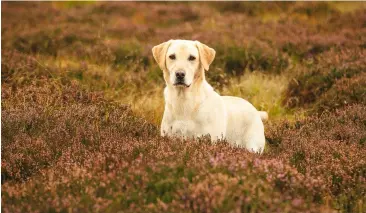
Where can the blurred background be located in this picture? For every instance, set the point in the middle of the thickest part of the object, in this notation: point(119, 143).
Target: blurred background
point(284, 57)
point(82, 100)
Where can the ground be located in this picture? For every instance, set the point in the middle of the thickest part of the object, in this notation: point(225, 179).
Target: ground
point(82, 103)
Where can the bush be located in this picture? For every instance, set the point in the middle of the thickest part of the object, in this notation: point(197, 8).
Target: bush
point(78, 78)
point(323, 82)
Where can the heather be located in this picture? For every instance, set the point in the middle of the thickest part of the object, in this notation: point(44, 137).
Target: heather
point(82, 103)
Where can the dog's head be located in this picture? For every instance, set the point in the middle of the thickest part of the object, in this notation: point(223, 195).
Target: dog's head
point(183, 61)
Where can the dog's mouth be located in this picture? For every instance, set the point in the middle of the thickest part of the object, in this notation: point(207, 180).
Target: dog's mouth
point(181, 84)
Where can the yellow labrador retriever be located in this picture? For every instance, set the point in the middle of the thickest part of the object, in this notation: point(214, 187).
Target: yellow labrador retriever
point(193, 108)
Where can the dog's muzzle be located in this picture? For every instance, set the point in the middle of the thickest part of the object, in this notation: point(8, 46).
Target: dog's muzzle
point(179, 79)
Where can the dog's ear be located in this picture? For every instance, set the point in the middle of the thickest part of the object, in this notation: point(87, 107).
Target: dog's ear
point(159, 52)
point(207, 54)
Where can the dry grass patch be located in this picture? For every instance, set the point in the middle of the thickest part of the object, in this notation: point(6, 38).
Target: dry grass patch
point(264, 91)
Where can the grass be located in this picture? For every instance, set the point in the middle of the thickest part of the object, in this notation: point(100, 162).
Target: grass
point(264, 91)
point(82, 103)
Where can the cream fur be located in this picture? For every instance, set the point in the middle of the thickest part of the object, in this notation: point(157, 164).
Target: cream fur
point(194, 109)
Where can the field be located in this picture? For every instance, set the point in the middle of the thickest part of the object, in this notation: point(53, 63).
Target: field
point(82, 103)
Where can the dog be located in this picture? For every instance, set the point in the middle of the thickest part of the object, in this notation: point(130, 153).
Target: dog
point(194, 109)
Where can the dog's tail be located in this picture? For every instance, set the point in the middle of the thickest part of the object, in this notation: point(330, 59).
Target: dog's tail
point(264, 115)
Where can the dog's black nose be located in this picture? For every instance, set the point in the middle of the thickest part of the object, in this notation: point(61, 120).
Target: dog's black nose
point(180, 75)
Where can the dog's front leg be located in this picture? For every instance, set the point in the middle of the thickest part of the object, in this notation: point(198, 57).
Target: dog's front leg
point(166, 125)
point(216, 131)
point(183, 128)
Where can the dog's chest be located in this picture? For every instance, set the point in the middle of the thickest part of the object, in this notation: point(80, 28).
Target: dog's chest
point(185, 119)
point(180, 111)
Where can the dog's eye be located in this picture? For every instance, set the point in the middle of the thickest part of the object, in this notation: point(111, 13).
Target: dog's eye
point(172, 57)
point(192, 58)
